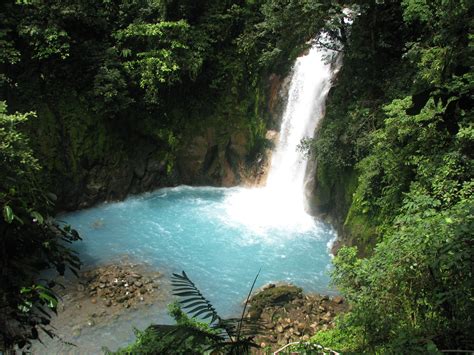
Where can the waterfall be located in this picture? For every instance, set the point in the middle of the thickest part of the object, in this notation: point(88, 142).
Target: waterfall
point(281, 203)
point(310, 84)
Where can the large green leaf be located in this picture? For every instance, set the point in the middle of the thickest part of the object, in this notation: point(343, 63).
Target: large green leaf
point(38, 217)
point(8, 214)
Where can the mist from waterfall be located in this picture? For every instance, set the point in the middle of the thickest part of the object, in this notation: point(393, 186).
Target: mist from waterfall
point(281, 203)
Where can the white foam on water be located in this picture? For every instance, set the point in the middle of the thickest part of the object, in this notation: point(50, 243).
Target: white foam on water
point(281, 204)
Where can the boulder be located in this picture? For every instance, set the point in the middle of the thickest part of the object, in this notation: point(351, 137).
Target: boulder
point(278, 295)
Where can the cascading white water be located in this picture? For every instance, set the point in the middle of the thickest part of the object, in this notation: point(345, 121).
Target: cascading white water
point(281, 203)
point(310, 85)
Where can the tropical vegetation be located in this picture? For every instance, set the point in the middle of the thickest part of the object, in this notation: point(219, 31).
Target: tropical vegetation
point(87, 86)
point(395, 169)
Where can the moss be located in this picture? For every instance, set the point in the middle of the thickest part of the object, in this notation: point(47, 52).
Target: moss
point(339, 340)
point(69, 134)
point(333, 194)
point(277, 295)
point(361, 233)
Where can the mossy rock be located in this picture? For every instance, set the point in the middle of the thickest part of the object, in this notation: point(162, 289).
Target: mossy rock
point(273, 296)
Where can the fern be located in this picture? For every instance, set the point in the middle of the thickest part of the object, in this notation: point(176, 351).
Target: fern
point(224, 336)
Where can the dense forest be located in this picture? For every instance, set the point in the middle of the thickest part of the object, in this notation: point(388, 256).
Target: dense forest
point(395, 170)
point(102, 99)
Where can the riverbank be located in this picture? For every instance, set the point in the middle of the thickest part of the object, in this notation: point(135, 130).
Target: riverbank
point(289, 315)
point(95, 306)
point(100, 308)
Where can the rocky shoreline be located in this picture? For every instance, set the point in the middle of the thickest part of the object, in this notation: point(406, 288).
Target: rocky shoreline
point(288, 315)
point(102, 294)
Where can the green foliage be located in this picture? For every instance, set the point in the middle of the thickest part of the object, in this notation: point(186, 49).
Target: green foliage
point(30, 240)
point(46, 42)
point(284, 30)
point(342, 339)
point(307, 348)
point(417, 286)
point(110, 88)
point(400, 116)
point(158, 53)
point(191, 335)
point(105, 77)
point(14, 145)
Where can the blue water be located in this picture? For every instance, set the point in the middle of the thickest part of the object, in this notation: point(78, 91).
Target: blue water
point(189, 228)
point(221, 237)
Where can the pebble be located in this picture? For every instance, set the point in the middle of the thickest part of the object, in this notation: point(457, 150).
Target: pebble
point(298, 319)
point(76, 330)
point(116, 284)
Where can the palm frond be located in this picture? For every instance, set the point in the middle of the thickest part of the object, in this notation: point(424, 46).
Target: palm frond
point(248, 327)
point(234, 335)
point(193, 302)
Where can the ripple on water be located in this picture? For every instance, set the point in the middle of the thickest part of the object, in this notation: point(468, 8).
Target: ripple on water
point(193, 229)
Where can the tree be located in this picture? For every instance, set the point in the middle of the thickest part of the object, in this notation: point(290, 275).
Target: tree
point(399, 127)
point(30, 239)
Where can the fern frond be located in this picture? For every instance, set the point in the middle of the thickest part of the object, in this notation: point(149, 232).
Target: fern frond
point(195, 304)
point(235, 330)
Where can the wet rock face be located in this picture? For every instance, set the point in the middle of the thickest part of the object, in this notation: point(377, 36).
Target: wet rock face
point(229, 156)
point(216, 155)
point(212, 158)
point(290, 315)
point(142, 168)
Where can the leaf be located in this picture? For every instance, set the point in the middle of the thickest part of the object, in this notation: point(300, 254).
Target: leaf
point(51, 196)
point(187, 293)
point(198, 303)
point(198, 308)
point(194, 304)
point(8, 214)
point(206, 312)
point(37, 217)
